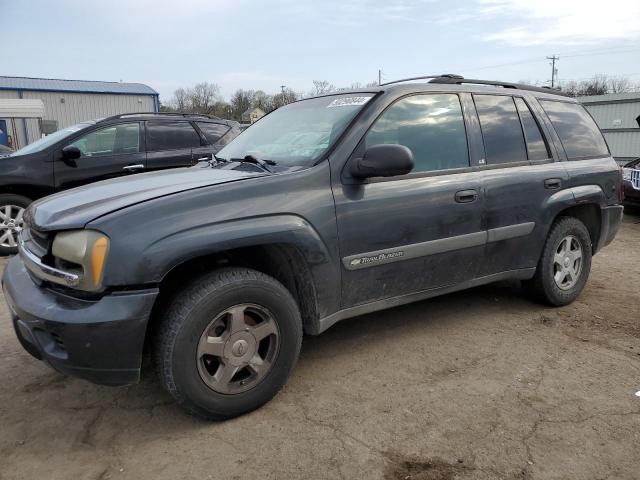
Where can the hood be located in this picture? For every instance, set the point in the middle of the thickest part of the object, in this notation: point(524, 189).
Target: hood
point(77, 207)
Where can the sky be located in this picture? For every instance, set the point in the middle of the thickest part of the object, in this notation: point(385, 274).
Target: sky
point(255, 44)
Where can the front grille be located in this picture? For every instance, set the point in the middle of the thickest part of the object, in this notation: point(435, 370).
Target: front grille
point(40, 238)
point(635, 179)
point(37, 242)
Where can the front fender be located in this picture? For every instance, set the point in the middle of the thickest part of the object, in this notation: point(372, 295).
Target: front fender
point(149, 264)
point(166, 253)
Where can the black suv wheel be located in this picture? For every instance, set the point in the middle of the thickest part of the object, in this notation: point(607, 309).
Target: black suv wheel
point(565, 263)
point(228, 342)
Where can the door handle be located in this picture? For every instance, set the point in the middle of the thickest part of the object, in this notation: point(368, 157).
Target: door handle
point(466, 196)
point(133, 168)
point(553, 183)
point(203, 159)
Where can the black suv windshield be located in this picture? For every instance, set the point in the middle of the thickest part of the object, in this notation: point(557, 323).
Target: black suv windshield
point(298, 133)
point(49, 140)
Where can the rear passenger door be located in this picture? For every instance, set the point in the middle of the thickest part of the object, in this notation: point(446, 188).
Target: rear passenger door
point(170, 143)
point(519, 175)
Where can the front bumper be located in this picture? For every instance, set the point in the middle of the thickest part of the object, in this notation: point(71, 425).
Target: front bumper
point(100, 341)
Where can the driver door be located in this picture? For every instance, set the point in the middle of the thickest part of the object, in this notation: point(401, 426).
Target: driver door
point(106, 152)
point(410, 233)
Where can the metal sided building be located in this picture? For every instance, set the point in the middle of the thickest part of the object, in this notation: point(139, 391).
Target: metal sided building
point(67, 102)
point(618, 116)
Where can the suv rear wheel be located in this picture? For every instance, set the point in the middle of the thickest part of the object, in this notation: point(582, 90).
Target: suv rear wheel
point(565, 263)
point(11, 223)
point(228, 342)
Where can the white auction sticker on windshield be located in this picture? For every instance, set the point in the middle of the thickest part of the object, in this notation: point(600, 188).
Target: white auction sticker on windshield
point(348, 102)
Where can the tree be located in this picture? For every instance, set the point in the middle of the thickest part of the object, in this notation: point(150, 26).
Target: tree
point(598, 85)
point(203, 96)
point(620, 85)
point(262, 101)
point(321, 87)
point(179, 101)
point(199, 99)
point(241, 102)
point(284, 98)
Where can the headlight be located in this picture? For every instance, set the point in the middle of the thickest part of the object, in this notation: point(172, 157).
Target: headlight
point(84, 251)
point(626, 174)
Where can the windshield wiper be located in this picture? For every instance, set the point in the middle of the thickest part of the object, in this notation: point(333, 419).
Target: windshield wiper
point(263, 164)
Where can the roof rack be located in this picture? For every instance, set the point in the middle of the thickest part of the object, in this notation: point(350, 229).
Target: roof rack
point(162, 114)
point(453, 79)
point(444, 76)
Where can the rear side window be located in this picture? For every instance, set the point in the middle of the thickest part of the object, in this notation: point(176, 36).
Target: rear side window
point(431, 126)
point(501, 129)
point(212, 131)
point(171, 136)
point(536, 146)
point(578, 132)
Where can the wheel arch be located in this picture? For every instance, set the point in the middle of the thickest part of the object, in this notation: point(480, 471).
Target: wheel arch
point(287, 249)
point(584, 203)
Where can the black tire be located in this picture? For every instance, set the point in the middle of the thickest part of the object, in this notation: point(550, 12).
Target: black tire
point(190, 313)
point(13, 200)
point(543, 286)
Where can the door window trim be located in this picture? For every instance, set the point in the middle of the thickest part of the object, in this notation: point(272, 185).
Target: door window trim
point(543, 132)
point(346, 178)
point(141, 138)
point(544, 138)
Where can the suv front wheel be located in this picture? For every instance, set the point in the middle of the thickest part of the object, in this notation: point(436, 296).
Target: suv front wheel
point(228, 342)
point(564, 266)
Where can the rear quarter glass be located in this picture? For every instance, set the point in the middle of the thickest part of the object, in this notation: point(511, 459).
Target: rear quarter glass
point(578, 132)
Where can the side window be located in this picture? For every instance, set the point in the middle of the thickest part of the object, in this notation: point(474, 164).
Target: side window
point(578, 132)
point(171, 136)
point(431, 126)
point(501, 129)
point(213, 131)
point(536, 146)
point(114, 140)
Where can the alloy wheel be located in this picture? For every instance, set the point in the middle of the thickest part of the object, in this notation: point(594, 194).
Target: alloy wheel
point(11, 224)
point(567, 262)
point(237, 349)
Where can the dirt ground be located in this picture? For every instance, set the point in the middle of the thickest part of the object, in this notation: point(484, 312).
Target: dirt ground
point(482, 384)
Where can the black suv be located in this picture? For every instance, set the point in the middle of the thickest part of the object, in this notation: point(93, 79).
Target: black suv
point(325, 209)
point(100, 149)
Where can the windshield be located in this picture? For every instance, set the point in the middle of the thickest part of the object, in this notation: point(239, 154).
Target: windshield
point(49, 140)
point(298, 133)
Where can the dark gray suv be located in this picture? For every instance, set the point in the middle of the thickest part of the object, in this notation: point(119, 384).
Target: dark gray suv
point(325, 209)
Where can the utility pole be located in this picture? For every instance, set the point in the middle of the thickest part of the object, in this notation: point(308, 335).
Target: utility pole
point(554, 72)
point(379, 76)
point(282, 87)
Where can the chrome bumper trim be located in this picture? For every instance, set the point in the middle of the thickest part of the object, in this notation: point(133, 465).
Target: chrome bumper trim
point(45, 272)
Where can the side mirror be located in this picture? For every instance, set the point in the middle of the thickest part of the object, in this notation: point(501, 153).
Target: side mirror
point(71, 152)
point(383, 161)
